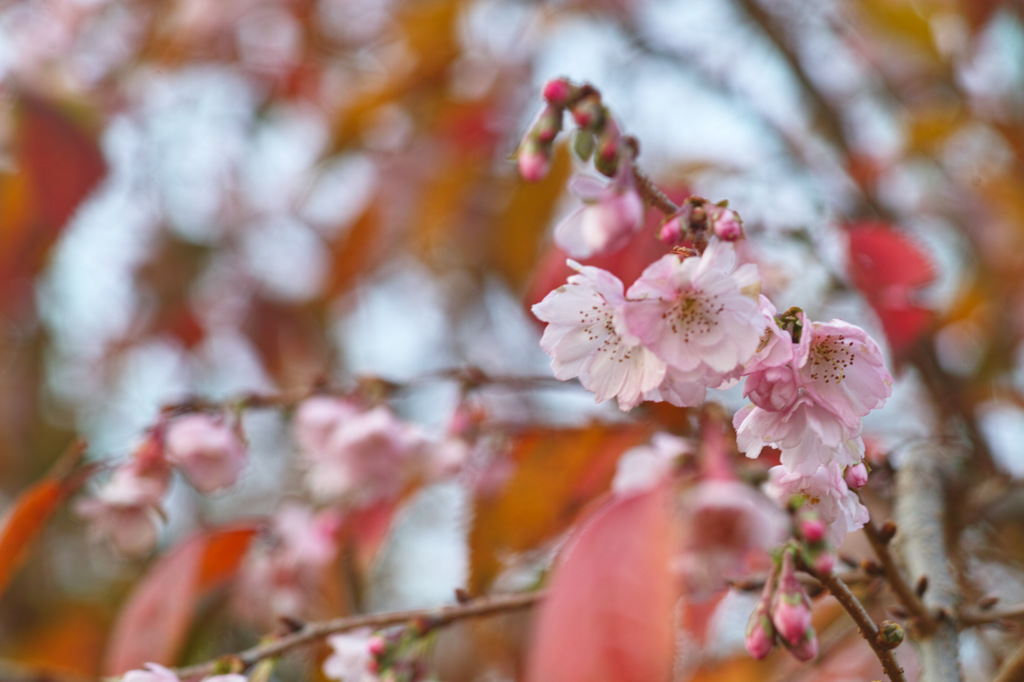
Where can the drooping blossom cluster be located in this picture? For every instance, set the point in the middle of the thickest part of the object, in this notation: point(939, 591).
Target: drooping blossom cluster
point(286, 568)
point(127, 509)
point(359, 457)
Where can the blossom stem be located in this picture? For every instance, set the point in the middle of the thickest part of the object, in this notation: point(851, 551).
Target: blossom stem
point(314, 632)
point(651, 194)
point(868, 629)
point(925, 622)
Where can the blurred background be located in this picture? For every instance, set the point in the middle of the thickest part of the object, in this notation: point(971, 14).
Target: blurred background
point(211, 198)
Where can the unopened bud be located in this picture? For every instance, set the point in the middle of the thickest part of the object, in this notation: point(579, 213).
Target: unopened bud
point(812, 528)
point(791, 610)
point(377, 646)
point(671, 230)
point(922, 586)
point(534, 161)
point(986, 603)
point(824, 563)
point(760, 638)
point(548, 124)
point(890, 635)
point(856, 475)
point(583, 144)
point(807, 648)
point(888, 531)
point(558, 91)
point(589, 114)
point(726, 224)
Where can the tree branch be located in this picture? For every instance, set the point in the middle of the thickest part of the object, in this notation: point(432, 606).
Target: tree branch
point(924, 620)
point(920, 512)
point(868, 629)
point(314, 632)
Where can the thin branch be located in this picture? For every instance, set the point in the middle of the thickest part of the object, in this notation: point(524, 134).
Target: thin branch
point(314, 632)
point(868, 629)
point(651, 194)
point(920, 513)
point(1012, 669)
point(969, 617)
point(924, 620)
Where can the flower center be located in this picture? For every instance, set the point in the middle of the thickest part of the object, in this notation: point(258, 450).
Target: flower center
point(830, 357)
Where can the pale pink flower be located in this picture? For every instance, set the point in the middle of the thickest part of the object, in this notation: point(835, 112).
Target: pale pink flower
point(153, 673)
point(643, 467)
point(371, 457)
point(728, 523)
point(807, 434)
point(317, 417)
point(127, 508)
point(286, 571)
point(208, 451)
point(610, 215)
point(726, 225)
point(698, 313)
point(352, 657)
point(826, 493)
point(226, 678)
point(586, 337)
point(534, 161)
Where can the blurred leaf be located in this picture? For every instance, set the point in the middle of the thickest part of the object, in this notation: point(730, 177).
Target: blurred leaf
point(290, 339)
point(930, 128)
point(612, 598)
point(557, 472)
point(904, 20)
point(27, 516)
point(357, 251)
point(57, 165)
point(71, 641)
point(889, 268)
point(154, 622)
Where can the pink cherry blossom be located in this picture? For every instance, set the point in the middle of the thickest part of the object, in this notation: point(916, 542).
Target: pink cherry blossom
point(226, 678)
point(610, 215)
point(727, 523)
point(698, 313)
point(208, 451)
point(826, 493)
point(351, 658)
point(286, 572)
point(371, 457)
point(153, 673)
point(586, 337)
point(643, 467)
point(317, 417)
point(127, 508)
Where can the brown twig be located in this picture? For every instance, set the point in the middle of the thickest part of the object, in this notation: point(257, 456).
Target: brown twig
point(314, 632)
point(868, 629)
point(651, 194)
point(1012, 669)
point(924, 621)
point(969, 617)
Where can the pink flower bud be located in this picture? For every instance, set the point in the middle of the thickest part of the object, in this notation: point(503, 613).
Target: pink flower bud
point(807, 648)
point(534, 162)
point(558, 91)
point(725, 223)
point(377, 645)
point(791, 610)
point(548, 125)
point(208, 451)
point(856, 476)
point(589, 114)
point(812, 528)
point(671, 230)
point(760, 638)
point(825, 562)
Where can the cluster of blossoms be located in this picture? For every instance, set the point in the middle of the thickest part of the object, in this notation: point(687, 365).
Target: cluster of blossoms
point(127, 509)
point(364, 656)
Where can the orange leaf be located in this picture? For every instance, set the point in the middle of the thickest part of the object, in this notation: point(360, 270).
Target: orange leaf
point(23, 522)
point(608, 616)
point(558, 471)
point(154, 622)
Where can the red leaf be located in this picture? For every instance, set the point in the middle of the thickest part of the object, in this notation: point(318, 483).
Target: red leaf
point(608, 616)
point(889, 268)
point(22, 523)
point(154, 622)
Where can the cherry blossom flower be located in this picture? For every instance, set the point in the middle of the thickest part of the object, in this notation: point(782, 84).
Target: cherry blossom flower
point(317, 417)
point(286, 571)
point(642, 467)
point(610, 215)
point(153, 673)
point(207, 450)
point(825, 492)
point(226, 678)
point(698, 313)
point(586, 337)
point(352, 657)
point(370, 457)
point(127, 508)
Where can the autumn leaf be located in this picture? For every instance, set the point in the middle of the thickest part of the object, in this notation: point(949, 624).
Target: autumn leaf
point(609, 613)
point(557, 472)
point(154, 622)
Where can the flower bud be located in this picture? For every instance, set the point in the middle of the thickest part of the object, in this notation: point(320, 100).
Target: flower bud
point(807, 648)
point(890, 634)
point(534, 161)
point(725, 223)
point(760, 638)
point(558, 91)
point(811, 527)
point(588, 113)
point(671, 230)
point(791, 610)
point(856, 475)
point(824, 562)
point(548, 125)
